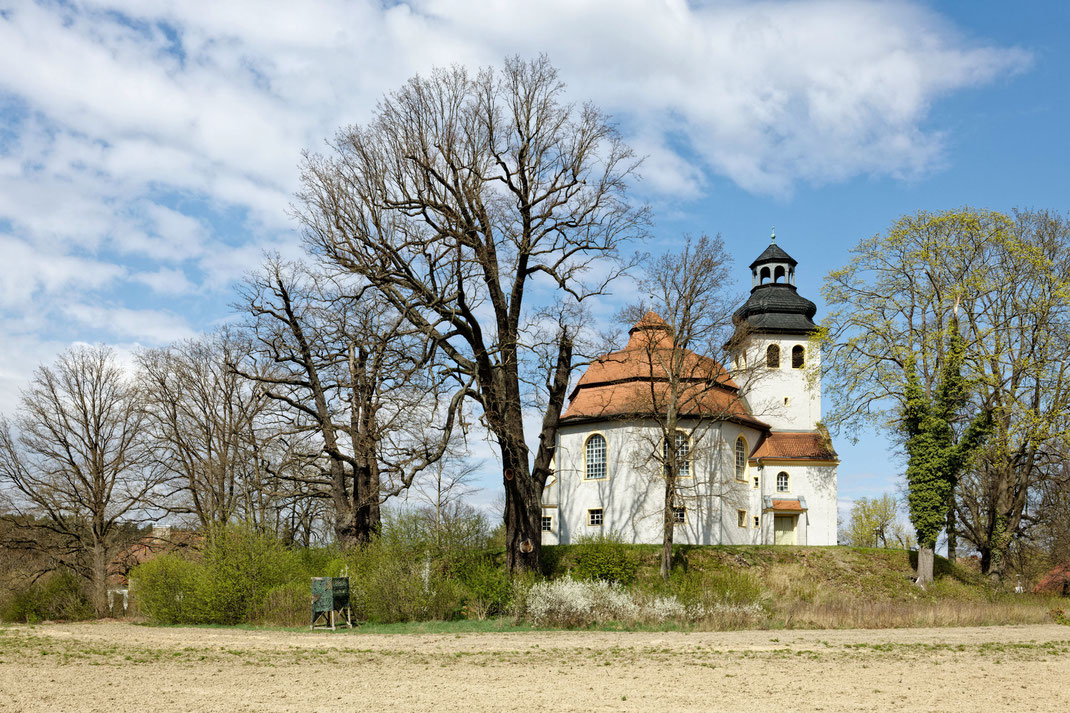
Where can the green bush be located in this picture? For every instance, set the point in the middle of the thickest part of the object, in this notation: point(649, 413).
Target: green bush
point(605, 558)
point(229, 584)
point(391, 583)
point(486, 589)
point(242, 564)
point(288, 604)
point(58, 595)
point(726, 587)
point(171, 589)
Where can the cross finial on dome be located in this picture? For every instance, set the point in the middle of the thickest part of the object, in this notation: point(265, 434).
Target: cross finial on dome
point(772, 236)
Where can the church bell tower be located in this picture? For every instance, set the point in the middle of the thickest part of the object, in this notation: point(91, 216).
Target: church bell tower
point(777, 360)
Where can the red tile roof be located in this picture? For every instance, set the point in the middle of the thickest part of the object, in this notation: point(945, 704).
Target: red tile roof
point(633, 381)
point(787, 505)
point(812, 445)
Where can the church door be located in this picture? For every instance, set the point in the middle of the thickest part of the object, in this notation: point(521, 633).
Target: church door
point(784, 529)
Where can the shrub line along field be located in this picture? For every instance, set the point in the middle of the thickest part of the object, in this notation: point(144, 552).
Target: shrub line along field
point(116, 667)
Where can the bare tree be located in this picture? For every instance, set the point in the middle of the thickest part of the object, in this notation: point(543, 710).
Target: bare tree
point(461, 197)
point(355, 382)
point(687, 392)
point(445, 484)
point(75, 465)
point(203, 420)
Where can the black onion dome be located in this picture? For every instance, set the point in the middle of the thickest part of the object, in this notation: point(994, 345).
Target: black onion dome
point(773, 253)
point(777, 308)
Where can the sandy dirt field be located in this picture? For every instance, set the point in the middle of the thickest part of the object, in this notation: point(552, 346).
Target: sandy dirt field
point(117, 667)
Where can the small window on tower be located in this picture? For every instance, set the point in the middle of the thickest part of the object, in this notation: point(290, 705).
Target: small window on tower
point(756, 482)
point(679, 516)
point(741, 518)
point(772, 357)
point(547, 523)
point(787, 400)
point(798, 357)
point(756, 521)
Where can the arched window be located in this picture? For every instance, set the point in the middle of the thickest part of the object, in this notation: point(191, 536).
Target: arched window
point(763, 275)
point(782, 482)
point(741, 458)
point(683, 451)
point(772, 357)
point(596, 456)
point(798, 357)
point(778, 274)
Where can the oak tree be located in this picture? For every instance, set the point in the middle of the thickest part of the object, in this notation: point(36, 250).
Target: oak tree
point(465, 199)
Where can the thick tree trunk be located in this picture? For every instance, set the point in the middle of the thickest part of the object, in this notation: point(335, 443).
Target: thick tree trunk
point(523, 512)
point(926, 559)
point(986, 559)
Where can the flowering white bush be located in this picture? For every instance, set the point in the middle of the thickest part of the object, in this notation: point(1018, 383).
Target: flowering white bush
point(665, 608)
point(569, 602)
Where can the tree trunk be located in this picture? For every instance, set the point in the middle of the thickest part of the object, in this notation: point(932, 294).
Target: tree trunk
point(952, 536)
point(523, 511)
point(99, 594)
point(667, 528)
point(926, 559)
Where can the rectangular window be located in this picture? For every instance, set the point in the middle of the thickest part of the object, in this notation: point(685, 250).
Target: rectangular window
point(679, 517)
point(547, 523)
point(741, 518)
point(756, 482)
point(683, 456)
point(594, 517)
point(756, 521)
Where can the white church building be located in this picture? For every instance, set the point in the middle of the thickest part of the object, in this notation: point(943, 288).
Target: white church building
point(760, 468)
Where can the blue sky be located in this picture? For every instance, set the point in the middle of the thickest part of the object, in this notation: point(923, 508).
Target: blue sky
point(148, 151)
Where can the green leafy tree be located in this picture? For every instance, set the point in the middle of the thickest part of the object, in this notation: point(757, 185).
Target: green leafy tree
point(875, 523)
point(1005, 282)
point(935, 456)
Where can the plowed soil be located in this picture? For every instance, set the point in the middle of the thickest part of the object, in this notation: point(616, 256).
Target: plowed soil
point(117, 667)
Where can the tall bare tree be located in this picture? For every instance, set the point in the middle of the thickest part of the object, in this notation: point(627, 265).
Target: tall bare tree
point(352, 379)
point(688, 392)
point(461, 197)
point(75, 463)
point(203, 421)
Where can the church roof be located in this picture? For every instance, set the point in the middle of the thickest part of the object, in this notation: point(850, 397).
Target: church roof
point(633, 381)
point(774, 253)
point(809, 445)
point(777, 308)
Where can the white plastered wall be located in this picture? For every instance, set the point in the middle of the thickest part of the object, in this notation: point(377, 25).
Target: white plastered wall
point(768, 388)
point(632, 494)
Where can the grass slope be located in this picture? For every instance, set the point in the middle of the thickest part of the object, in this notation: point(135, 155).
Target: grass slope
point(830, 587)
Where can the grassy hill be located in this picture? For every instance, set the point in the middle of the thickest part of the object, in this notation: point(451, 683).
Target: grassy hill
point(821, 587)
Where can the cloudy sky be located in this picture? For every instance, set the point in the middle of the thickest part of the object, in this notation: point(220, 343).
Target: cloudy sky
point(148, 150)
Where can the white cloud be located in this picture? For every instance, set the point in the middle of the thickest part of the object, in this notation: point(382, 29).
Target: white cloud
point(157, 143)
point(152, 326)
point(165, 281)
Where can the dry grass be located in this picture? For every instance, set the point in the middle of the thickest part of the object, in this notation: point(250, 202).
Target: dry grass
point(857, 614)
